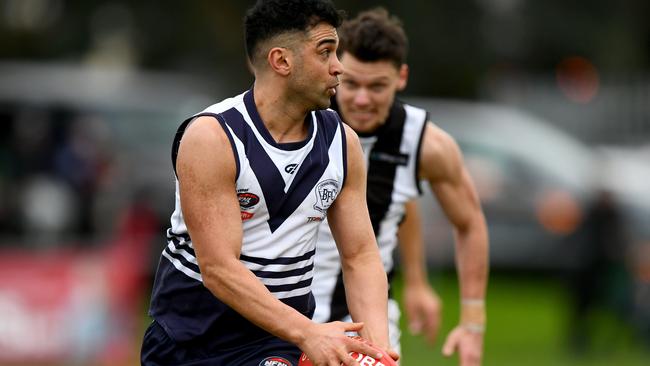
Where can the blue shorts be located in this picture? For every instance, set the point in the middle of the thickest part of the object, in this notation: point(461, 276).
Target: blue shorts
point(158, 349)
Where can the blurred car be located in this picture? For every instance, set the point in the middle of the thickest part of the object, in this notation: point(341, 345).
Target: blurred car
point(537, 186)
point(86, 188)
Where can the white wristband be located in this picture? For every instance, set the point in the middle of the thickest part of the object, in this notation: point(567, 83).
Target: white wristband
point(472, 302)
point(474, 327)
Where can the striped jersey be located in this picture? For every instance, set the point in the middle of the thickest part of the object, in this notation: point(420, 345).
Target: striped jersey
point(392, 158)
point(284, 191)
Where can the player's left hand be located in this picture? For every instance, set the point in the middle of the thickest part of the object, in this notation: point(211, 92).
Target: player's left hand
point(468, 343)
point(423, 308)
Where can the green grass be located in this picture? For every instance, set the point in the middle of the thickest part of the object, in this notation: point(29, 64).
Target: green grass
point(527, 325)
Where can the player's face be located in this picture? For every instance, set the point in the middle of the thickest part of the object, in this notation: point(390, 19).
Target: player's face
point(367, 91)
point(315, 76)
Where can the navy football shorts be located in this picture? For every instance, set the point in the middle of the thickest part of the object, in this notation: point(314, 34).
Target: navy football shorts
point(158, 349)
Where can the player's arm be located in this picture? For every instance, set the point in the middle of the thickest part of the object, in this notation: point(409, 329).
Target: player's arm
point(441, 164)
point(421, 304)
point(206, 174)
point(366, 285)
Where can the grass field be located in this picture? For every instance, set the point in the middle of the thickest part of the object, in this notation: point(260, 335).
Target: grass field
point(527, 325)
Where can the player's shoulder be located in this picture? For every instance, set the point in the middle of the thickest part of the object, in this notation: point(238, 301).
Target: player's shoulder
point(436, 137)
point(439, 154)
point(224, 105)
point(330, 117)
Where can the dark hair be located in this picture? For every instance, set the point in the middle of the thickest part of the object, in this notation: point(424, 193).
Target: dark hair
point(374, 35)
point(269, 18)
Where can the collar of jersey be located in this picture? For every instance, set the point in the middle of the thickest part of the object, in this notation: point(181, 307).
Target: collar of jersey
point(249, 101)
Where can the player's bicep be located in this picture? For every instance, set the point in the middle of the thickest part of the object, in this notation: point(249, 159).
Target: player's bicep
point(206, 172)
point(458, 199)
point(442, 166)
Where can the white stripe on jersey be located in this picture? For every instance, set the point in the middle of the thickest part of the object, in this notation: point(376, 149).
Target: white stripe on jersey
point(179, 266)
point(284, 280)
point(278, 267)
point(292, 293)
point(189, 257)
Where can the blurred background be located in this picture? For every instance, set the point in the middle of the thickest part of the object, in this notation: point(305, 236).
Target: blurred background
point(549, 101)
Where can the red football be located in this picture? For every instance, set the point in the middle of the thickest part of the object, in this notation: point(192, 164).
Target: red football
point(363, 360)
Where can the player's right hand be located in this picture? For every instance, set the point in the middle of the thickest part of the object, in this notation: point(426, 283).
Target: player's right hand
point(328, 345)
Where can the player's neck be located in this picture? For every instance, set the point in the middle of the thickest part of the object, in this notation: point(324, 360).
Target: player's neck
point(283, 118)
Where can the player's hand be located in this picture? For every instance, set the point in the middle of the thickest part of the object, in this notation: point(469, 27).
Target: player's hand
point(423, 308)
point(389, 351)
point(328, 345)
point(468, 343)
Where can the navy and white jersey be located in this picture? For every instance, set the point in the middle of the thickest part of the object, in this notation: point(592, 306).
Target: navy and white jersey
point(392, 157)
point(284, 191)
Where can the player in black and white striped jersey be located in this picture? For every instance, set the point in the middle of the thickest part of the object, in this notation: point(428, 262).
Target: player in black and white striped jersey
point(401, 148)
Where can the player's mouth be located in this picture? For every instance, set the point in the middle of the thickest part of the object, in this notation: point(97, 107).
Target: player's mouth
point(362, 116)
point(332, 89)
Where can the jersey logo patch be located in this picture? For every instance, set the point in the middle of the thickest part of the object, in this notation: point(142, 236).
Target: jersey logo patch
point(326, 192)
point(397, 159)
point(247, 200)
point(275, 361)
point(246, 215)
point(291, 168)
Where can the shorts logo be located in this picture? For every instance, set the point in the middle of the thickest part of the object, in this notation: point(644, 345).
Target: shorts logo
point(275, 361)
point(247, 200)
point(326, 192)
point(291, 168)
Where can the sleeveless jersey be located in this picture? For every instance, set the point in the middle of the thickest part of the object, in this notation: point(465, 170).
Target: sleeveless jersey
point(392, 158)
point(284, 192)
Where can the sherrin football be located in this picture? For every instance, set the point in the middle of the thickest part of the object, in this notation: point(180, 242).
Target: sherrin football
point(364, 360)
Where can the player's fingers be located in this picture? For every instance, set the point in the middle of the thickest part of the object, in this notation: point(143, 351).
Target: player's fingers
point(415, 322)
point(359, 346)
point(450, 344)
point(432, 325)
point(352, 327)
point(415, 327)
point(394, 355)
point(347, 360)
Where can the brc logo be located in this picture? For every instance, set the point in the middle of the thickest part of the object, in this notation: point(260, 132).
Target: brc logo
point(326, 192)
point(275, 361)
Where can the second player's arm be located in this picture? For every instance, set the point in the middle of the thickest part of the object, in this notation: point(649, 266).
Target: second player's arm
point(421, 304)
point(442, 166)
point(366, 285)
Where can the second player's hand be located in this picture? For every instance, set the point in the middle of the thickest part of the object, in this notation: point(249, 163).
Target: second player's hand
point(328, 345)
point(423, 308)
point(468, 344)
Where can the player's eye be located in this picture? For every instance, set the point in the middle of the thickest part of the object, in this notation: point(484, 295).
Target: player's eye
point(378, 88)
point(349, 84)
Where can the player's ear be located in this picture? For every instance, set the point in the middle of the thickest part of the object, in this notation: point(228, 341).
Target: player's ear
point(280, 60)
point(403, 77)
